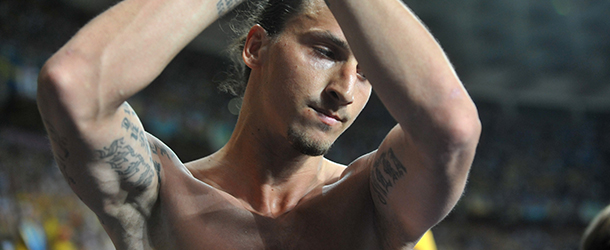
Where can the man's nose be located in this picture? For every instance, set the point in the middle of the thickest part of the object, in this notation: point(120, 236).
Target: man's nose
point(341, 88)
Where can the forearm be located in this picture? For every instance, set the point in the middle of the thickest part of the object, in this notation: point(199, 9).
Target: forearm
point(121, 51)
point(82, 87)
point(419, 171)
point(407, 68)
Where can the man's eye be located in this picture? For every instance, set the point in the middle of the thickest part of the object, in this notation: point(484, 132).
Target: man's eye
point(325, 52)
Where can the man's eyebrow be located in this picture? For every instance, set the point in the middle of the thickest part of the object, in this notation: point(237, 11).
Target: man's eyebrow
point(330, 37)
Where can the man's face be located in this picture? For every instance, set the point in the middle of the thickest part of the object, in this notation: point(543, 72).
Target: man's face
point(313, 86)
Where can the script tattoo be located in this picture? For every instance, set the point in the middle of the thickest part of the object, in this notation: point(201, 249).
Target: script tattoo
point(159, 150)
point(136, 132)
point(128, 164)
point(386, 171)
point(128, 110)
point(158, 170)
point(61, 150)
point(156, 149)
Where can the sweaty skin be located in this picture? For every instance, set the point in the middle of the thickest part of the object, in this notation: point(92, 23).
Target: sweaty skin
point(269, 187)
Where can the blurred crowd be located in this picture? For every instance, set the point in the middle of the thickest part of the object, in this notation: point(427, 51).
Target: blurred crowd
point(541, 165)
point(539, 176)
point(37, 208)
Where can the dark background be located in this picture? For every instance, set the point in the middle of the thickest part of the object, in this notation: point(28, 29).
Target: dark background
point(537, 70)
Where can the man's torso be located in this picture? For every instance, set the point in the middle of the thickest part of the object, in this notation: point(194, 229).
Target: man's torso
point(191, 214)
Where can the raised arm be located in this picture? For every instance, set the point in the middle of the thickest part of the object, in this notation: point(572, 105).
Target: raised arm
point(98, 141)
point(420, 170)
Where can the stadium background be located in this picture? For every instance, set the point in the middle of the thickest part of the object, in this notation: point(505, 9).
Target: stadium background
point(539, 72)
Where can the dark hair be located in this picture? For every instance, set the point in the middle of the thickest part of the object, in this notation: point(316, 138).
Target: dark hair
point(272, 15)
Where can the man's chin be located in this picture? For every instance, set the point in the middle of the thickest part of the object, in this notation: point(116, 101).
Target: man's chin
point(307, 145)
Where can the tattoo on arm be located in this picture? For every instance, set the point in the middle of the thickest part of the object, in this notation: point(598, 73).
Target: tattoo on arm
point(136, 133)
point(159, 150)
point(128, 110)
point(122, 158)
point(61, 150)
point(387, 170)
point(127, 163)
point(158, 170)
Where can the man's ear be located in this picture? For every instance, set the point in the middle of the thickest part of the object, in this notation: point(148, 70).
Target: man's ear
point(253, 49)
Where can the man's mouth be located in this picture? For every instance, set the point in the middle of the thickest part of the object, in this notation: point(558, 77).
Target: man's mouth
point(328, 117)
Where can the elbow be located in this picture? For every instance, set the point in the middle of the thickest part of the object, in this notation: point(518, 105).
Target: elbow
point(52, 85)
point(456, 137)
point(465, 131)
point(460, 145)
point(63, 87)
point(52, 79)
point(66, 70)
point(452, 128)
point(56, 76)
point(461, 118)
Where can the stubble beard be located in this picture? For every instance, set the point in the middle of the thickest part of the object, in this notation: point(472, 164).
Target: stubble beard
point(303, 143)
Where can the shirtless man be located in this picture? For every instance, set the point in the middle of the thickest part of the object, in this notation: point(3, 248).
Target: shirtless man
point(270, 186)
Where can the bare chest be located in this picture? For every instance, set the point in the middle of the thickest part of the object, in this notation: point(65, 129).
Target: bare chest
point(192, 215)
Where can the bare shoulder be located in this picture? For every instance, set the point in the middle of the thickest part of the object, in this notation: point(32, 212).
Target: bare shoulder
point(350, 184)
point(345, 180)
point(361, 164)
point(332, 171)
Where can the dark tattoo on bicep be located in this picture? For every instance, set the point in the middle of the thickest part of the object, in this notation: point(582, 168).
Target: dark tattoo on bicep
point(164, 152)
point(128, 110)
point(136, 132)
point(223, 6)
point(386, 171)
point(159, 150)
point(158, 170)
point(130, 165)
point(153, 147)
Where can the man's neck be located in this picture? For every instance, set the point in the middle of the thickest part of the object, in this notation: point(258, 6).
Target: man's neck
point(265, 173)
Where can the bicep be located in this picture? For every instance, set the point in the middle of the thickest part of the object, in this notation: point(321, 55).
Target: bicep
point(413, 190)
point(108, 163)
